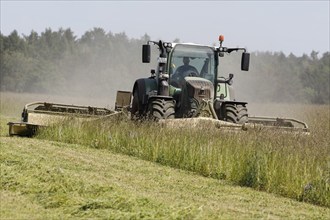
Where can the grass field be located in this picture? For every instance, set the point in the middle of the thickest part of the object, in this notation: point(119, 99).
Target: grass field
point(45, 180)
point(80, 176)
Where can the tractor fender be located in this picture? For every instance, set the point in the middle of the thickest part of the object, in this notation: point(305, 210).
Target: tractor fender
point(233, 102)
point(160, 97)
point(226, 89)
point(145, 86)
point(218, 103)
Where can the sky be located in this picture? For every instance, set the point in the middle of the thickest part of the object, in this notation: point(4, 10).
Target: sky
point(296, 27)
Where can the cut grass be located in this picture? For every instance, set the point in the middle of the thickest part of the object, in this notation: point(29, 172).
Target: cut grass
point(291, 165)
point(43, 179)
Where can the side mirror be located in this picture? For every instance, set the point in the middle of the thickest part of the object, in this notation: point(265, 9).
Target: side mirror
point(245, 61)
point(146, 53)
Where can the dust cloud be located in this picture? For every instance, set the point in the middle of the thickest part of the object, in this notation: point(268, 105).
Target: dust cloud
point(265, 94)
point(95, 81)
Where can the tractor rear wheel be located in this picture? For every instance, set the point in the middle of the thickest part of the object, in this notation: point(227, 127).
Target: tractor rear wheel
point(161, 109)
point(137, 110)
point(236, 113)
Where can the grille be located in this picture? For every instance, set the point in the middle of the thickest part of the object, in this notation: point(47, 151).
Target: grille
point(199, 89)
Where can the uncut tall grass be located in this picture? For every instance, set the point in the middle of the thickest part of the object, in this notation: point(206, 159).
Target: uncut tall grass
point(287, 164)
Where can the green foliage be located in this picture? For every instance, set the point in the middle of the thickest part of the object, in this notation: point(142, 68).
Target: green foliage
point(99, 63)
point(316, 78)
point(57, 62)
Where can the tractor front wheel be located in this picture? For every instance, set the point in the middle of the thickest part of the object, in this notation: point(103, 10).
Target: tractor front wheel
point(161, 109)
point(236, 113)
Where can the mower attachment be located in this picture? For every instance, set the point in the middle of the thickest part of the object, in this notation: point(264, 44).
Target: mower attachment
point(41, 114)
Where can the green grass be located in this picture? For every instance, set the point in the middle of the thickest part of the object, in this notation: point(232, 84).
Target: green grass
point(42, 179)
point(289, 165)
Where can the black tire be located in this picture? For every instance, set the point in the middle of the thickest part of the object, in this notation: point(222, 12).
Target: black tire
point(236, 113)
point(137, 110)
point(161, 109)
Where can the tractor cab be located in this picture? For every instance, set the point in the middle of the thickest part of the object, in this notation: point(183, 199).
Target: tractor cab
point(191, 60)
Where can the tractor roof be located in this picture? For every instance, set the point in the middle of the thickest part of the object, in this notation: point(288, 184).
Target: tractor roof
point(193, 44)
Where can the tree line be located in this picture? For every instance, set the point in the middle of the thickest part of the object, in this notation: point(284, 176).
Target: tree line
point(99, 63)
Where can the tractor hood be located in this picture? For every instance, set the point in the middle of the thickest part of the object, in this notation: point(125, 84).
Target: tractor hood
point(199, 88)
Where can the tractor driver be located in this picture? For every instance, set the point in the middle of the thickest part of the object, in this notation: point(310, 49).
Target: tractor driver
point(186, 68)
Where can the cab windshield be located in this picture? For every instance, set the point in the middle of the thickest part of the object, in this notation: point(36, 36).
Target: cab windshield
point(197, 60)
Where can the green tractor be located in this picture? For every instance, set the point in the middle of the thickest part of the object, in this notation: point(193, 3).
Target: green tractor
point(186, 84)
